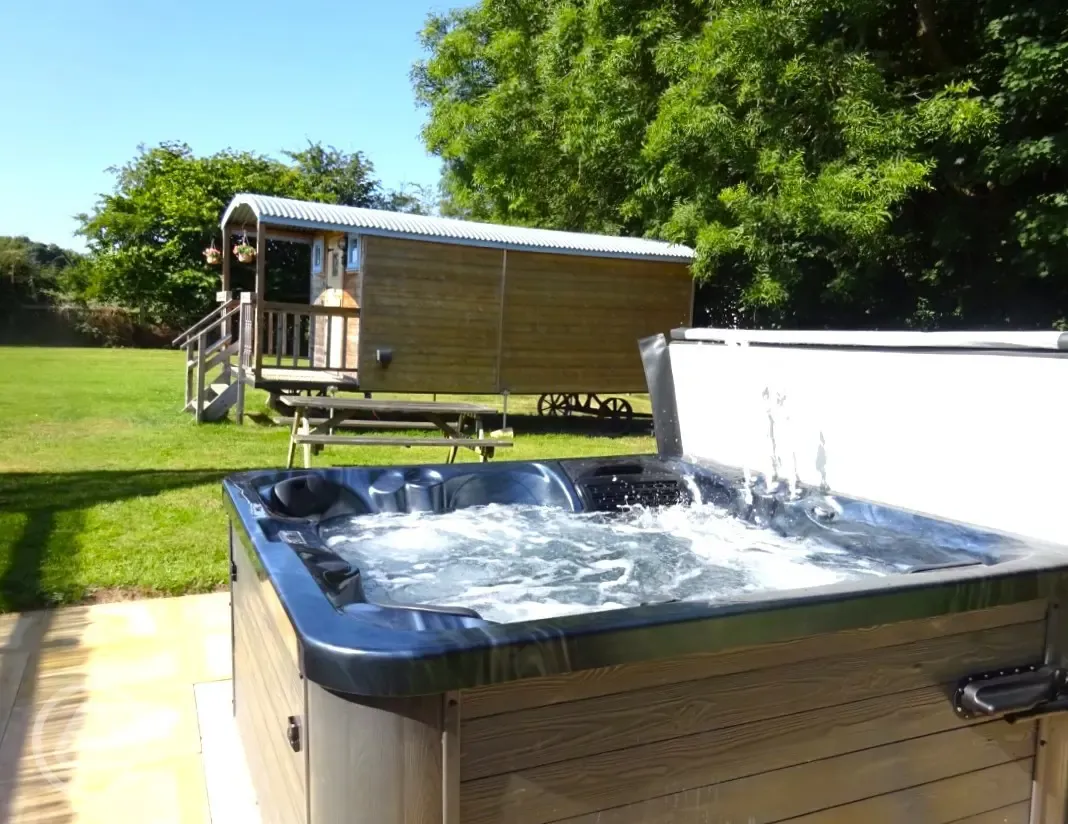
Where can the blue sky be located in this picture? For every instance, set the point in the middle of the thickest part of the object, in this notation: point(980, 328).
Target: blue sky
point(83, 83)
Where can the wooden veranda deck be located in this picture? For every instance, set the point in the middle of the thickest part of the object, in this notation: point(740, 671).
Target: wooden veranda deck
point(273, 379)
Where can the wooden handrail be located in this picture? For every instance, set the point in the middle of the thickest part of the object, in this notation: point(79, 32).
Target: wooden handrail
point(206, 322)
point(216, 347)
point(194, 330)
point(308, 309)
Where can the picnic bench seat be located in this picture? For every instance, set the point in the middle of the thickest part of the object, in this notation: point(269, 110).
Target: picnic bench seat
point(365, 424)
point(389, 440)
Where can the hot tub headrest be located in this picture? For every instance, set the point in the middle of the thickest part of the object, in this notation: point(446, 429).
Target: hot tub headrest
point(304, 495)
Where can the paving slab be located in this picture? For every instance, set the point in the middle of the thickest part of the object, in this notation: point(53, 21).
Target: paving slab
point(119, 713)
point(170, 791)
point(229, 785)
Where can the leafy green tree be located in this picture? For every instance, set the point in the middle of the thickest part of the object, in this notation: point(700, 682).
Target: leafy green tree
point(878, 163)
point(31, 272)
point(146, 238)
point(331, 176)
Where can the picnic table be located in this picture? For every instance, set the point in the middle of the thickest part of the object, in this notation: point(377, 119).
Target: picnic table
point(451, 419)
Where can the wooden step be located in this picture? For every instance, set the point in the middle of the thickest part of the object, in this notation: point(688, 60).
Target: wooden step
point(216, 408)
point(386, 440)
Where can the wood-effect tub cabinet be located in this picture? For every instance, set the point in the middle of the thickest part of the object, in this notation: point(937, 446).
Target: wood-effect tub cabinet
point(854, 725)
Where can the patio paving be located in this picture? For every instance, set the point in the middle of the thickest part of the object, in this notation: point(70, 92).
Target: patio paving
point(120, 712)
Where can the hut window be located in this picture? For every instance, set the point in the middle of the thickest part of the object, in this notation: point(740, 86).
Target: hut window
point(317, 256)
point(352, 260)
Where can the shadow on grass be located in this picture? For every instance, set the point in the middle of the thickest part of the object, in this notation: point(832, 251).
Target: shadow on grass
point(53, 501)
point(41, 711)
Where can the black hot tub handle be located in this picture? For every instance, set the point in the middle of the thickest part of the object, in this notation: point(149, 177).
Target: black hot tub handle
point(1015, 694)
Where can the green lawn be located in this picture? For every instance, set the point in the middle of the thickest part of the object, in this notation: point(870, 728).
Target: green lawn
point(108, 490)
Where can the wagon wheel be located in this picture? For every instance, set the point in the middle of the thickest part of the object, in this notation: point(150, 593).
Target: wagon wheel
point(616, 410)
point(577, 404)
point(554, 406)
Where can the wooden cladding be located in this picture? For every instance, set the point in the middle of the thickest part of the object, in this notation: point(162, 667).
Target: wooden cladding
point(572, 324)
point(846, 727)
point(557, 689)
point(375, 760)
point(268, 690)
point(436, 307)
point(471, 319)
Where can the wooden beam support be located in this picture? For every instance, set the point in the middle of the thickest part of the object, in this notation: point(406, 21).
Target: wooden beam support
point(243, 329)
point(261, 266)
point(286, 235)
point(261, 289)
point(227, 256)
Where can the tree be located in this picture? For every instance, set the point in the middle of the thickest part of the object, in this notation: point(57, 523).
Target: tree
point(539, 108)
point(877, 163)
point(146, 238)
point(331, 176)
point(31, 272)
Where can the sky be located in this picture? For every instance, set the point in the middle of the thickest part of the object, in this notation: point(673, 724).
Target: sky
point(82, 84)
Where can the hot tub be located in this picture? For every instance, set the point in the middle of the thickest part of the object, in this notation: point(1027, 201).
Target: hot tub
point(906, 668)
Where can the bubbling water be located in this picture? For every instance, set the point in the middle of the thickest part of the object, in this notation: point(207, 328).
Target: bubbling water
point(516, 563)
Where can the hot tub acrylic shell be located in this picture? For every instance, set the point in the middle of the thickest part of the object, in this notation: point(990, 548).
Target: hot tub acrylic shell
point(825, 705)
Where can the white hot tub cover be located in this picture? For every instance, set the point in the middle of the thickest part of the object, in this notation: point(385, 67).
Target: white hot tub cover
point(965, 426)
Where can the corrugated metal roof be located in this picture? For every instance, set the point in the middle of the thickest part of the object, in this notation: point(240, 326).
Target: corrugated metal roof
point(247, 208)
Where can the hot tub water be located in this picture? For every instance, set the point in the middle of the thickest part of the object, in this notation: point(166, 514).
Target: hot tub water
point(519, 562)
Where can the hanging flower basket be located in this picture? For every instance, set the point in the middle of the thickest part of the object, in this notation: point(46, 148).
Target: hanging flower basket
point(212, 255)
point(245, 252)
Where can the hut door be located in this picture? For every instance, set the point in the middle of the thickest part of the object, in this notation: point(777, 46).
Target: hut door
point(335, 278)
point(337, 340)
